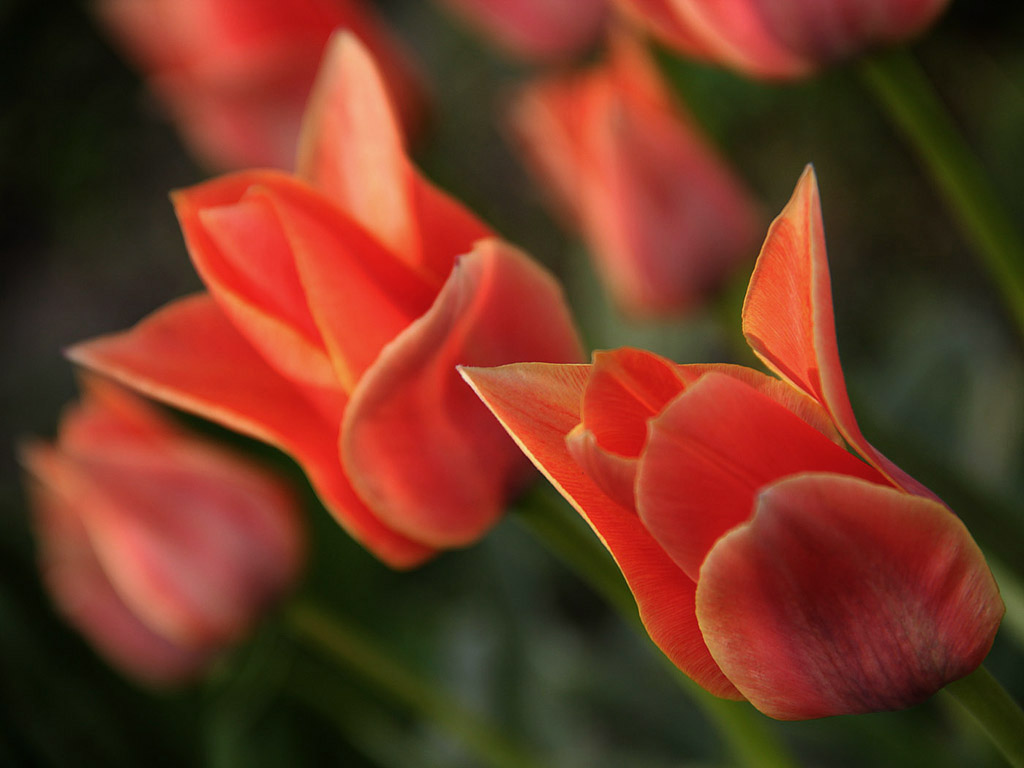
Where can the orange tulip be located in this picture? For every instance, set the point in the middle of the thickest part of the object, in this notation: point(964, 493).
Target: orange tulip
point(774, 554)
point(664, 216)
point(536, 29)
point(769, 38)
point(235, 74)
point(160, 548)
point(339, 304)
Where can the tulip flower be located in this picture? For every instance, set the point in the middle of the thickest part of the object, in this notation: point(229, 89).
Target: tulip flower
point(339, 303)
point(772, 39)
point(160, 548)
point(235, 74)
point(536, 29)
point(774, 554)
point(664, 216)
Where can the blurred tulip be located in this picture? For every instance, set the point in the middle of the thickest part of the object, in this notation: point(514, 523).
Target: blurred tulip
point(768, 561)
point(536, 29)
point(339, 305)
point(160, 548)
point(781, 38)
point(235, 74)
point(663, 214)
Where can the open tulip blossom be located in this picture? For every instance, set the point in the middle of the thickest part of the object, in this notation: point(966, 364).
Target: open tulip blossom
point(340, 301)
point(781, 38)
point(161, 548)
point(774, 554)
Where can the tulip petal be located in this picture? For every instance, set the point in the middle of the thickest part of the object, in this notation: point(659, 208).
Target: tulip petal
point(788, 320)
point(352, 149)
point(242, 256)
point(626, 388)
point(612, 473)
point(361, 296)
point(189, 355)
point(710, 451)
point(421, 450)
point(841, 597)
point(539, 405)
point(83, 591)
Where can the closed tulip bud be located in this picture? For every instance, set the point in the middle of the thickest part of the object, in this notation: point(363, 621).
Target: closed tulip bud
point(665, 217)
point(775, 555)
point(536, 29)
point(781, 38)
point(235, 74)
point(161, 548)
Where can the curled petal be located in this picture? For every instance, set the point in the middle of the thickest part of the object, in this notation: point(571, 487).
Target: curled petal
point(420, 448)
point(243, 257)
point(539, 406)
point(842, 596)
point(788, 319)
point(612, 473)
point(708, 454)
point(626, 388)
point(189, 355)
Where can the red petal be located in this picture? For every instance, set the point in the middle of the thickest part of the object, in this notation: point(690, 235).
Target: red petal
point(420, 448)
point(626, 388)
point(708, 454)
point(351, 148)
point(241, 253)
point(361, 296)
point(788, 322)
point(189, 355)
point(612, 473)
point(841, 597)
point(539, 405)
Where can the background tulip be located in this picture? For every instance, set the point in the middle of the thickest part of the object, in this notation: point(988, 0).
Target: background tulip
point(536, 29)
point(235, 74)
point(665, 217)
point(339, 305)
point(769, 38)
point(160, 548)
point(767, 561)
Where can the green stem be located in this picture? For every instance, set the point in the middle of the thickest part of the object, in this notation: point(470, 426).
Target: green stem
point(901, 87)
point(559, 529)
point(365, 659)
point(990, 705)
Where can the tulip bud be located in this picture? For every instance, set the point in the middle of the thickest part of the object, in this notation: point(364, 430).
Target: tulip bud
point(781, 38)
point(665, 217)
point(235, 74)
point(160, 548)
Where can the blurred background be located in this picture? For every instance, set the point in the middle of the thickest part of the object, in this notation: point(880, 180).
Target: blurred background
point(936, 373)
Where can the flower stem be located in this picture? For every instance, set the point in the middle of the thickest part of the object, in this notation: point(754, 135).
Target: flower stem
point(990, 705)
point(560, 530)
point(903, 90)
point(364, 658)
